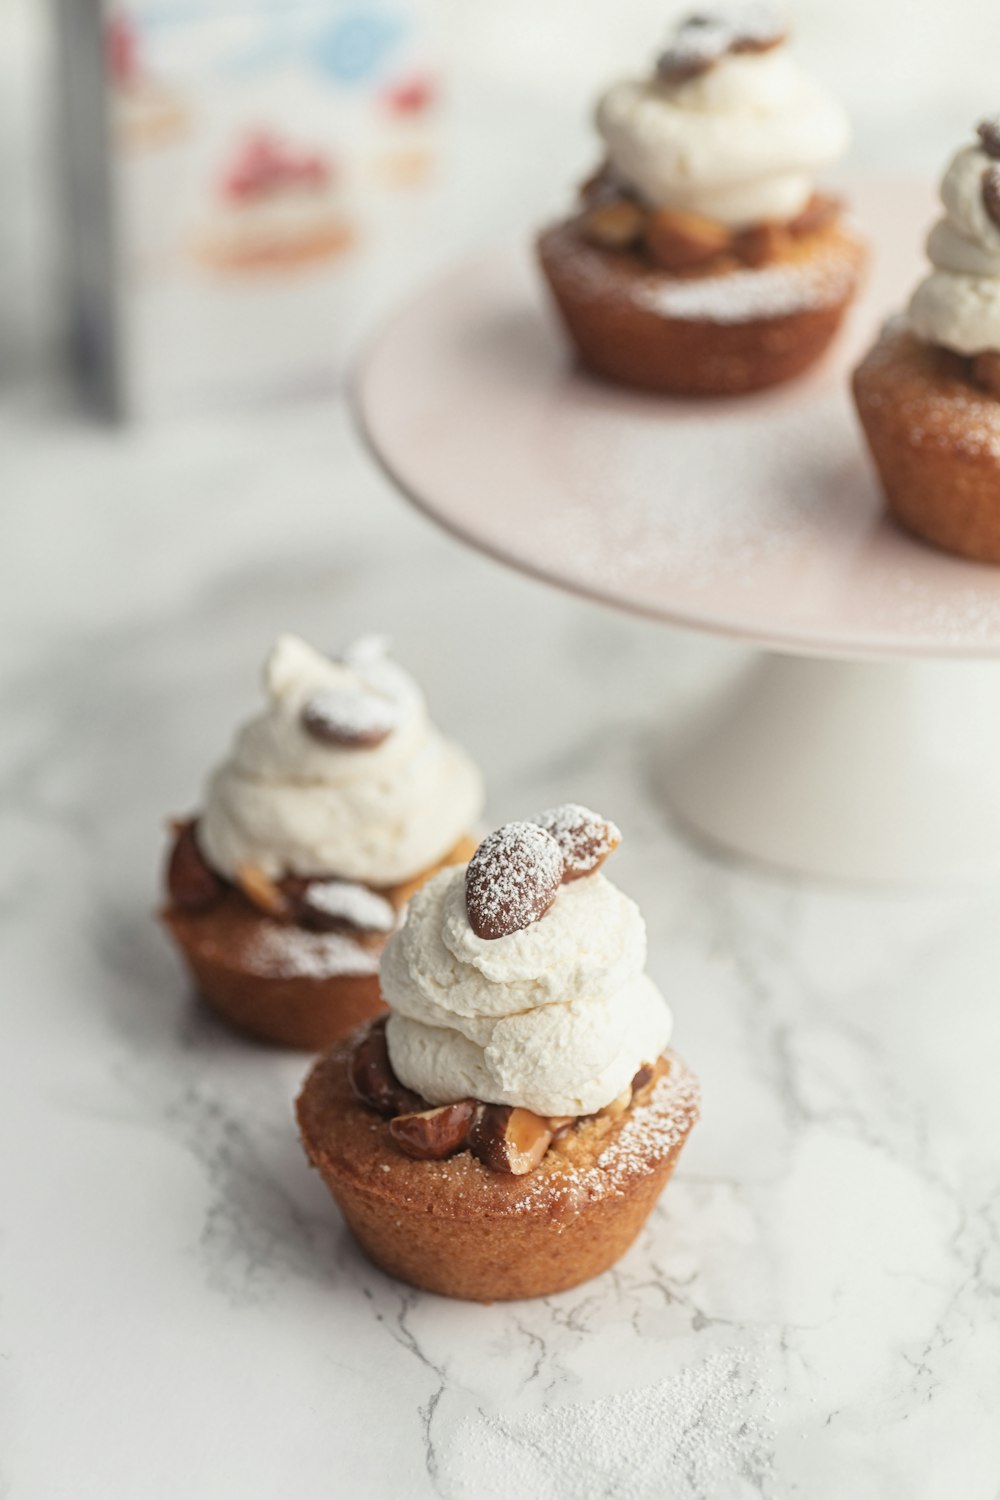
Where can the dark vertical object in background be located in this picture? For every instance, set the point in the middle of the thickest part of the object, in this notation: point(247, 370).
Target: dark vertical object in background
point(87, 239)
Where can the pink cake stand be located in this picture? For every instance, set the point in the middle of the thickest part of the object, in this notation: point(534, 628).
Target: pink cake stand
point(865, 740)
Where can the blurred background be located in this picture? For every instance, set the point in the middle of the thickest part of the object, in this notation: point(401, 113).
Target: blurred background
point(278, 175)
point(381, 139)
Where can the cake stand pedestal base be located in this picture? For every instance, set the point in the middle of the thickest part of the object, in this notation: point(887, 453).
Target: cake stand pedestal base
point(857, 770)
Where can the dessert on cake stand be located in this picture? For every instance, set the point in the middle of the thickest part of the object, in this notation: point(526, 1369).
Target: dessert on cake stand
point(864, 742)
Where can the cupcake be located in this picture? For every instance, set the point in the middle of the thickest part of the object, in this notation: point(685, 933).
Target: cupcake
point(335, 804)
point(928, 393)
point(506, 1131)
point(277, 205)
point(701, 260)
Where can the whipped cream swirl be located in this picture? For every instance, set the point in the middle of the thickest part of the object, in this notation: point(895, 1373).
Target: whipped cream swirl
point(958, 304)
point(294, 805)
point(555, 1018)
point(741, 142)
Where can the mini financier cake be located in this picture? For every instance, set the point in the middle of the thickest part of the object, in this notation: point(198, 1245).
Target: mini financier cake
point(928, 393)
point(335, 803)
point(507, 1130)
point(701, 260)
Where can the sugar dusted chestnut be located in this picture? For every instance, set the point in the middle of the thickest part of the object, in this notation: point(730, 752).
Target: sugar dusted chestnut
point(512, 879)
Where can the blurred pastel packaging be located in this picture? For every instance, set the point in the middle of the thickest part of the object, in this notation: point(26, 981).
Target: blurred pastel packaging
point(236, 174)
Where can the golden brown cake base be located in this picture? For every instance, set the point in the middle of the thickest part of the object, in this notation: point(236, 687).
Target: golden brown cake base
point(279, 982)
point(935, 438)
point(722, 333)
point(459, 1229)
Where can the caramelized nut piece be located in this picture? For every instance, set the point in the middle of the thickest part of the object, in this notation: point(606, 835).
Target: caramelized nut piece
point(432, 1134)
point(374, 1081)
point(760, 37)
point(988, 131)
point(615, 225)
point(332, 905)
point(512, 879)
point(192, 884)
point(986, 371)
point(991, 192)
point(511, 1140)
point(261, 891)
point(820, 211)
point(679, 241)
point(643, 1078)
point(763, 243)
point(351, 720)
point(585, 838)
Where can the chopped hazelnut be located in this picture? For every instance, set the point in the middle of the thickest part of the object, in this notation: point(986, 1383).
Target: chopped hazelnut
point(507, 1139)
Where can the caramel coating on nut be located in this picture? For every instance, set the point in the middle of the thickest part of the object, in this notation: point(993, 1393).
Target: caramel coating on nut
point(762, 243)
point(616, 225)
point(433, 1134)
point(261, 891)
point(678, 241)
point(508, 1139)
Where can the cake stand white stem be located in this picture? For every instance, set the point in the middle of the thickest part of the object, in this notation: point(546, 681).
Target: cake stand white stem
point(871, 771)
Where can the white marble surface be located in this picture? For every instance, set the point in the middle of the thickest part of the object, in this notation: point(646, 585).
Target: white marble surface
point(815, 1309)
point(813, 1313)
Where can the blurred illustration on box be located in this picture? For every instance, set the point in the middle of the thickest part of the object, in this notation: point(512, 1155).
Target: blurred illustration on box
point(147, 112)
point(264, 156)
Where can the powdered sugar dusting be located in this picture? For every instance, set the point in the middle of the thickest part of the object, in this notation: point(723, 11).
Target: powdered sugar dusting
point(962, 616)
point(824, 278)
point(278, 951)
point(742, 296)
point(702, 39)
point(340, 716)
point(585, 838)
point(760, 517)
point(695, 46)
point(704, 1431)
point(512, 879)
point(753, 24)
point(680, 506)
point(953, 414)
point(347, 901)
point(653, 1128)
